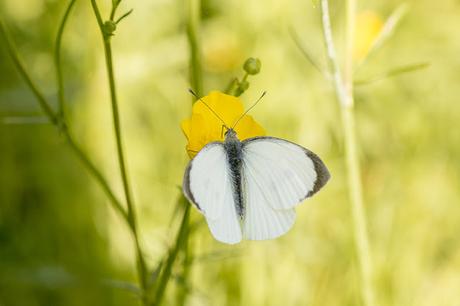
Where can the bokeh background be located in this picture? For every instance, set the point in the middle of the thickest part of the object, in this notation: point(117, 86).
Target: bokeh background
point(62, 244)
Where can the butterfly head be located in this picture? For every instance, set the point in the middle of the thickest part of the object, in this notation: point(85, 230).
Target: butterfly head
point(230, 134)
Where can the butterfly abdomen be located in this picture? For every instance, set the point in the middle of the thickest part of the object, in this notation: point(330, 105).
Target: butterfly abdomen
point(233, 149)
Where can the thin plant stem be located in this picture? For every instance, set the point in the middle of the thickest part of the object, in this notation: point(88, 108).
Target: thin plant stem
point(196, 75)
point(196, 81)
point(96, 174)
point(174, 251)
point(344, 92)
point(45, 106)
point(57, 62)
point(141, 265)
point(115, 5)
point(123, 16)
point(349, 45)
point(342, 96)
point(187, 263)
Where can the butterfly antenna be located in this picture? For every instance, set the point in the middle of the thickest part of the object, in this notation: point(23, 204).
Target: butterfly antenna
point(196, 96)
point(247, 111)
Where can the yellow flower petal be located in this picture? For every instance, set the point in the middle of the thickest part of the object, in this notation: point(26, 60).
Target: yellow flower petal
point(186, 125)
point(248, 128)
point(205, 126)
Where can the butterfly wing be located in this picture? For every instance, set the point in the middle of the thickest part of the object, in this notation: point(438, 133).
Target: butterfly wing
point(278, 175)
point(207, 184)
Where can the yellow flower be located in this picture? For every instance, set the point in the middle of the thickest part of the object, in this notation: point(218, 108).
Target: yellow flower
point(204, 126)
point(222, 50)
point(368, 27)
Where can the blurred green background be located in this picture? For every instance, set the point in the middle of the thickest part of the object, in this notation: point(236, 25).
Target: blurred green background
point(62, 244)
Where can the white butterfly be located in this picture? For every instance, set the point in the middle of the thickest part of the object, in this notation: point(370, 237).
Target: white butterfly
point(248, 189)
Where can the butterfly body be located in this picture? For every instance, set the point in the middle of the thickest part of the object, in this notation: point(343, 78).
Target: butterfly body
point(234, 151)
point(248, 189)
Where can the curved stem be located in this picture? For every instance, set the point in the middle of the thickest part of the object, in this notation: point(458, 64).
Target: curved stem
point(344, 93)
point(46, 107)
point(57, 62)
point(141, 266)
point(53, 118)
point(96, 174)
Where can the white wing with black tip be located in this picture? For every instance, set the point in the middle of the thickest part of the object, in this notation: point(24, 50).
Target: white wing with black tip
point(277, 175)
point(207, 184)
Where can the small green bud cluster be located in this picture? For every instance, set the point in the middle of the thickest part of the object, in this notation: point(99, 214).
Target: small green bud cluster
point(251, 67)
point(109, 27)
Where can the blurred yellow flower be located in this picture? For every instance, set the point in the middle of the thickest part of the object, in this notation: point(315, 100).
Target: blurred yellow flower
point(368, 27)
point(204, 127)
point(221, 51)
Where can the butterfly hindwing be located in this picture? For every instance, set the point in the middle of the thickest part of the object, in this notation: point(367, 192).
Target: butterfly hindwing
point(277, 175)
point(207, 183)
point(260, 220)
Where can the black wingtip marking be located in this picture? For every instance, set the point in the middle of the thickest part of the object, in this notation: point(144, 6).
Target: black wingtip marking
point(322, 173)
point(186, 185)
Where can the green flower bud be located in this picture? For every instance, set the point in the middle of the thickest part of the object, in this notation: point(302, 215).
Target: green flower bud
point(109, 27)
point(252, 66)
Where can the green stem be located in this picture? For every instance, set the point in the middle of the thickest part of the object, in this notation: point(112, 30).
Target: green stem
point(141, 265)
point(57, 62)
point(356, 198)
point(245, 77)
point(187, 261)
point(344, 93)
point(230, 86)
point(96, 174)
point(180, 241)
point(17, 62)
point(196, 79)
point(114, 9)
point(53, 118)
point(349, 45)
point(196, 75)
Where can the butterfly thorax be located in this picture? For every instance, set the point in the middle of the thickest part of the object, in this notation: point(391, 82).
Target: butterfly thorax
point(233, 149)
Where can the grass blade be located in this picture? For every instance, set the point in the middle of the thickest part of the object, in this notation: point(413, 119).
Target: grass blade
point(393, 72)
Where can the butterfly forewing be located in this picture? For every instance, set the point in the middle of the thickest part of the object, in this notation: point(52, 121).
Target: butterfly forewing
point(277, 175)
point(207, 183)
point(286, 172)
